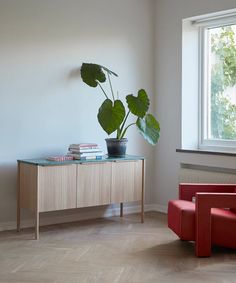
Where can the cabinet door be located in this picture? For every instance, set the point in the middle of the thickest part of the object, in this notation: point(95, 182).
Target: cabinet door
point(126, 181)
point(93, 184)
point(57, 187)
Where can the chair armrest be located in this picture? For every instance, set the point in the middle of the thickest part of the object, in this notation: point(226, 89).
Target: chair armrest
point(211, 200)
point(188, 190)
point(204, 203)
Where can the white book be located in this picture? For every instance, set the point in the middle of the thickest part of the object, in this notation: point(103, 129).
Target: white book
point(83, 145)
point(84, 150)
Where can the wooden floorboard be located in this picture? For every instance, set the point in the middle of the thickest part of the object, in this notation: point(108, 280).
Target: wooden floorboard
point(109, 250)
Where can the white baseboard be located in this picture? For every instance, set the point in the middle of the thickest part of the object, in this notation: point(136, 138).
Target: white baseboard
point(48, 219)
point(158, 208)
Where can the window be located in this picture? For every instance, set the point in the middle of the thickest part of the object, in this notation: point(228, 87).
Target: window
point(209, 82)
point(218, 85)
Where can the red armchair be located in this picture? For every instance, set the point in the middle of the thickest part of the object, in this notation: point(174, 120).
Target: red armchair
point(211, 220)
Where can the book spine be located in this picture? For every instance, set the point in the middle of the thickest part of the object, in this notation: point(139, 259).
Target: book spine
point(76, 157)
point(88, 154)
point(75, 150)
point(84, 145)
point(83, 148)
point(91, 158)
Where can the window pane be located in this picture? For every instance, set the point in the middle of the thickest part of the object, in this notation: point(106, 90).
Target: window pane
point(221, 100)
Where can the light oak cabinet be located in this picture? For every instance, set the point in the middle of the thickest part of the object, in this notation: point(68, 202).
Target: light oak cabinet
point(49, 186)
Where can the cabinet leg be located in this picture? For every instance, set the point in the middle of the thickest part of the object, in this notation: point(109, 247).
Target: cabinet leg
point(121, 209)
point(18, 218)
point(36, 225)
point(143, 190)
point(18, 200)
point(142, 212)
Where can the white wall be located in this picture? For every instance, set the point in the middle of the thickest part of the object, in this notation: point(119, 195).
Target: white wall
point(44, 104)
point(169, 15)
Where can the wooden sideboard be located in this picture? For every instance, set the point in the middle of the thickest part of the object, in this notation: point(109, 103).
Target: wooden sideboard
point(49, 186)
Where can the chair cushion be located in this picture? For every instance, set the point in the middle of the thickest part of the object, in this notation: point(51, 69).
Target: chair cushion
point(181, 219)
point(223, 227)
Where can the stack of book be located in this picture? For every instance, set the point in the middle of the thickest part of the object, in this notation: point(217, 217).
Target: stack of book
point(85, 151)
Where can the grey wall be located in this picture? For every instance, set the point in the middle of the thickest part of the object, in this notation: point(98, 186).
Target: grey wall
point(169, 15)
point(44, 104)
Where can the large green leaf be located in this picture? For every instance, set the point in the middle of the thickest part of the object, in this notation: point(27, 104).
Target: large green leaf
point(149, 128)
point(111, 116)
point(138, 105)
point(92, 74)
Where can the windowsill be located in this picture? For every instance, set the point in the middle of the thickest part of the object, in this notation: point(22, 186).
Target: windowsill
point(200, 151)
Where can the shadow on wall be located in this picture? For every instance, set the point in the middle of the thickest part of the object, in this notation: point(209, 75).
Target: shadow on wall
point(74, 74)
point(8, 189)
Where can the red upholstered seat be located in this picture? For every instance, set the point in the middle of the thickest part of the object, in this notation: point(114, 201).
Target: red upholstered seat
point(204, 222)
point(223, 228)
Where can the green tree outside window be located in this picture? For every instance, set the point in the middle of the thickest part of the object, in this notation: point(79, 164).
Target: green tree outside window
point(223, 76)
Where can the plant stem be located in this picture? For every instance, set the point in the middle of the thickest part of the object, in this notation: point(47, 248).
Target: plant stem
point(126, 130)
point(111, 86)
point(118, 133)
point(123, 124)
point(103, 90)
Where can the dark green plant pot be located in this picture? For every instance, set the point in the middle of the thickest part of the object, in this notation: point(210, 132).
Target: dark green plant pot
point(116, 147)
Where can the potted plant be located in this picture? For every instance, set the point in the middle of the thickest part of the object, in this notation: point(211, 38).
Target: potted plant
point(112, 114)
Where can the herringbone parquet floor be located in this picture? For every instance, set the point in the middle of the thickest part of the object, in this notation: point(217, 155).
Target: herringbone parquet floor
point(110, 250)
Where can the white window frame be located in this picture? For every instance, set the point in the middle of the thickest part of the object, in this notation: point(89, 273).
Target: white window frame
point(203, 25)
